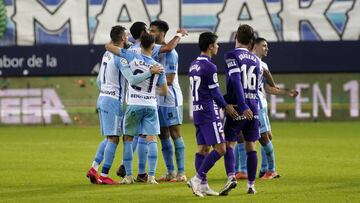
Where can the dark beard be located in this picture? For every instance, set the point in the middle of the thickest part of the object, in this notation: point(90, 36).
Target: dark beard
point(127, 45)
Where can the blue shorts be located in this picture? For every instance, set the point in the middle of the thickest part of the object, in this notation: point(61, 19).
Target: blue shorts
point(170, 116)
point(110, 116)
point(210, 133)
point(249, 129)
point(264, 122)
point(142, 120)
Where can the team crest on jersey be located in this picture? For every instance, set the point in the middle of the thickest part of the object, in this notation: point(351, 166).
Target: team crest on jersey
point(123, 60)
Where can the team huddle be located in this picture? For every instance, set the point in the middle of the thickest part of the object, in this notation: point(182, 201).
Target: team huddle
point(144, 76)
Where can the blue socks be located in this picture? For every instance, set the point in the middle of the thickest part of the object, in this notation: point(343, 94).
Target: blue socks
point(180, 154)
point(99, 156)
point(142, 154)
point(264, 161)
point(109, 154)
point(135, 142)
point(128, 157)
point(270, 156)
point(167, 151)
point(152, 156)
point(242, 157)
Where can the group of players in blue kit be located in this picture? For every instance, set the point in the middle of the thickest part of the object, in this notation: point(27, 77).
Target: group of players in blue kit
point(145, 76)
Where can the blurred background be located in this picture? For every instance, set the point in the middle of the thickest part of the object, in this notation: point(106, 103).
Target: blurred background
point(50, 52)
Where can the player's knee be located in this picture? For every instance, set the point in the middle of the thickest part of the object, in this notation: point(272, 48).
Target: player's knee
point(128, 138)
point(164, 133)
point(151, 138)
point(250, 146)
point(220, 149)
point(113, 139)
point(175, 132)
point(264, 139)
point(203, 150)
point(230, 144)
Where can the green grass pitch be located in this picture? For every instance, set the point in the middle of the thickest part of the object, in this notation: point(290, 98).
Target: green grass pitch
point(319, 162)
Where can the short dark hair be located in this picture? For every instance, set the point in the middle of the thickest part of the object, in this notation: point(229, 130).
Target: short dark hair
point(205, 39)
point(147, 40)
point(162, 25)
point(245, 34)
point(116, 32)
point(259, 40)
point(137, 28)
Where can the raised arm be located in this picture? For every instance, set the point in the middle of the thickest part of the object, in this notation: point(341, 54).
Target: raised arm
point(174, 41)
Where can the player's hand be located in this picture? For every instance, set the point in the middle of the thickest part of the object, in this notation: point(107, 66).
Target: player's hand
point(156, 69)
point(182, 31)
point(293, 93)
point(248, 114)
point(231, 111)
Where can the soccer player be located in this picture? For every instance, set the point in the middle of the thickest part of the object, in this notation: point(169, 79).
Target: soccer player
point(137, 30)
point(266, 81)
point(206, 98)
point(170, 108)
point(141, 116)
point(109, 105)
point(242, 71)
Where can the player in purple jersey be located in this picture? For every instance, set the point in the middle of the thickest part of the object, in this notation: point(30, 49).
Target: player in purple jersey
point(206, 97)
point(242, 71)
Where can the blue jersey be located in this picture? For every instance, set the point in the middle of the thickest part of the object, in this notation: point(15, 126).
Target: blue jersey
point(136, 48)
point(143, 93)
point(110, 80)
point(242, 73)
point(203, 78)
point(170, 62)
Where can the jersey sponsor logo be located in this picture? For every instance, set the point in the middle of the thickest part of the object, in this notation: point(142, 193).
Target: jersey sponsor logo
point(198, 107)
point(137, 96)
point(107, 92)
point(250, 95)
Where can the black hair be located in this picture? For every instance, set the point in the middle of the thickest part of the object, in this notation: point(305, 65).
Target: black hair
point(162, 25)
point(259, 40)
point(116, 33)
point(137, 29)
point(147, 40)
point(245, 34)
point(205, 39)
